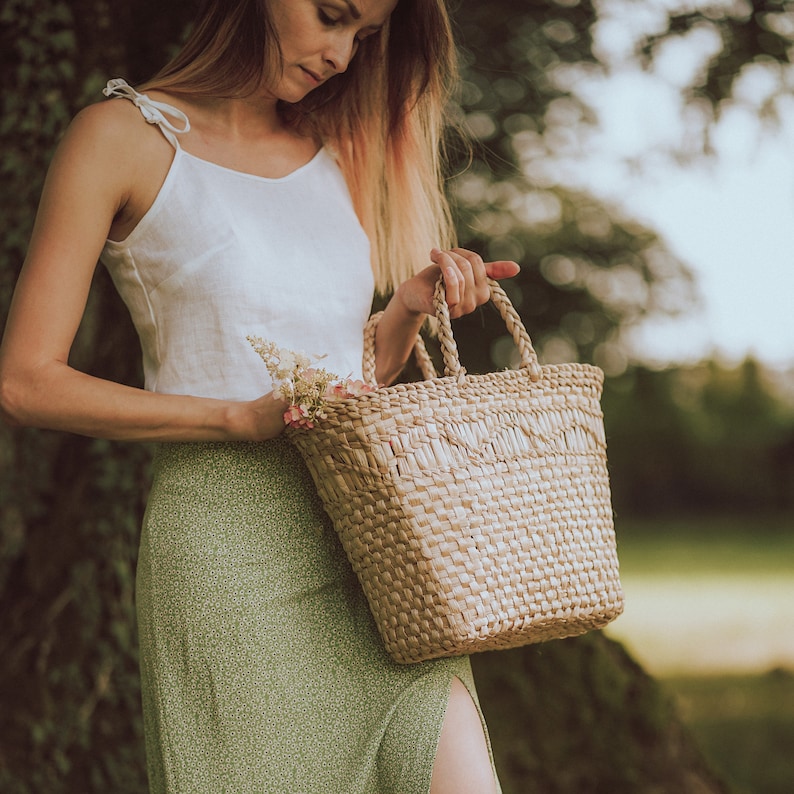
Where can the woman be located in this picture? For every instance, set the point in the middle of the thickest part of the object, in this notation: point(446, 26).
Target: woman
point(291, 152)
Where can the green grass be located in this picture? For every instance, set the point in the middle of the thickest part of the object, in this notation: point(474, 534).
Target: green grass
point(705, 545)
point(744, 725)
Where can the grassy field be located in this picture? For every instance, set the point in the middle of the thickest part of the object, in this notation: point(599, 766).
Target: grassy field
point(745, 726)
point(707, 545)
point(710, 611)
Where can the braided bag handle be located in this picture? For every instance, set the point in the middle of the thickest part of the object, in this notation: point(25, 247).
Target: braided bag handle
point(449, 348)
point(423, 360)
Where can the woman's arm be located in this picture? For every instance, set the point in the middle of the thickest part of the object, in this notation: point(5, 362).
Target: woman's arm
point(94, 182)
point(465, 280)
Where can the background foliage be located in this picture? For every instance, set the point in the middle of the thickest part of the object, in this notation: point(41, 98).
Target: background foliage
point(70, 507)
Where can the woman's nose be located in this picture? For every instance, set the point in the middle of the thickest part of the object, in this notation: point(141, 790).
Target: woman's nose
point(340, 52)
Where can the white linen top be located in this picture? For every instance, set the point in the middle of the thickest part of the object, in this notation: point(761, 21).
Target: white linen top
point(222, 254)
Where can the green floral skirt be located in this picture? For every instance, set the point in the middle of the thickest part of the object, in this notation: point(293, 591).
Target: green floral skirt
point(262, 669)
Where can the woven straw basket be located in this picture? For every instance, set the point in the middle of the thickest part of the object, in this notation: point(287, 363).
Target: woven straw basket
point(475, 509)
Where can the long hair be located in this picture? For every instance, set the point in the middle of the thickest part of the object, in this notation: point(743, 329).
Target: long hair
point(383, 118)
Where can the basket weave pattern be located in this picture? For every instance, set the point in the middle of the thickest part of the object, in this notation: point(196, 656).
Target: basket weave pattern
point(475, 510)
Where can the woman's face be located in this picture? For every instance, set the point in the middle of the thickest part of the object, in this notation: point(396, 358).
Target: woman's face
point(319, 38)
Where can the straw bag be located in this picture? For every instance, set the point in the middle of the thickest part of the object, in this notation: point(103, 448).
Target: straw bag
point(475, 509)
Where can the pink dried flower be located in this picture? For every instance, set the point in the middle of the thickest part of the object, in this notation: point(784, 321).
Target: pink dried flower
point(346, 389)
point(355, 388)
point(335, 391)
point(297, 416)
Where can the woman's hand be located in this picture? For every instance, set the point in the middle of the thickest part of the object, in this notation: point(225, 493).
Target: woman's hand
point(260, 419)
point(465, 280)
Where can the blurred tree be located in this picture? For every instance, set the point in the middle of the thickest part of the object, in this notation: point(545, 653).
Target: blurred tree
point(588, 273)
point(753, 36)
point(697, 439)
point(70, 508)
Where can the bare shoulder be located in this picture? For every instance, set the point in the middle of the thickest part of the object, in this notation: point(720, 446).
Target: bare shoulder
point(110, 150)
point(113, 114)
point(114, 128)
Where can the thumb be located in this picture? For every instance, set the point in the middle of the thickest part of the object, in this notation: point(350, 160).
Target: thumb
point(501, 269)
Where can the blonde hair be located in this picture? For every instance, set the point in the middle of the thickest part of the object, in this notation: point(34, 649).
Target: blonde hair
point(383, 118)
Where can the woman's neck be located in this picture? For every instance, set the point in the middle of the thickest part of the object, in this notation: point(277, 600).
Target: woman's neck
point(241, 134)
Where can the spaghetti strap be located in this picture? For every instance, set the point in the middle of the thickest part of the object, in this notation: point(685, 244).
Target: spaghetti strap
point(154, 112)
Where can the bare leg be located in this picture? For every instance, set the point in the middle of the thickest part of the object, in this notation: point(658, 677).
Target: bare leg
point(462, 764)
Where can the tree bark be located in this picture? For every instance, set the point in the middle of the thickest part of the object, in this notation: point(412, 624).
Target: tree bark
point(580, 716)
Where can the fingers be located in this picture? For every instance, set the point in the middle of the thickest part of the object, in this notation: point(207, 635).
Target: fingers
point(502, 269)
point(466, 278)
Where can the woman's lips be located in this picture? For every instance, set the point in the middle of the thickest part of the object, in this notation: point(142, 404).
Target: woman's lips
point(313, 78)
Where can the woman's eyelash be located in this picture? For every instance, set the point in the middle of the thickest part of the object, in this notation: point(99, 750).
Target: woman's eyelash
point(326, 19)
point(330, 22)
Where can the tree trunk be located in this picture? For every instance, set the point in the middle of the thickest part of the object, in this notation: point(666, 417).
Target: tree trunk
point(580, 716)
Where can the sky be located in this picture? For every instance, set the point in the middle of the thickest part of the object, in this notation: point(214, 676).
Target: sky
point(730, 217)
